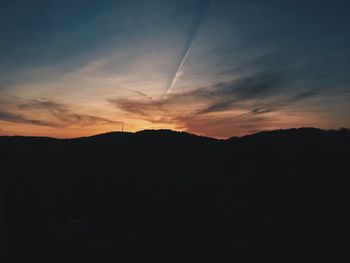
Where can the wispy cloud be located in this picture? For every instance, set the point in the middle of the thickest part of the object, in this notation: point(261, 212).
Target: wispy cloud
point(49, 113)
point(63, 114)
point(249, 104)
point(251, 87)
point(304, 95)
point(141, 93)
point(260, 111)
point(17, 118)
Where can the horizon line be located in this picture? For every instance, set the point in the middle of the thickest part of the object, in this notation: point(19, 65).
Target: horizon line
point(178, 131)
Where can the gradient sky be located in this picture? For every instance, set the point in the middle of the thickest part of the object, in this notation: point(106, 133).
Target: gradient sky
point(211, 67)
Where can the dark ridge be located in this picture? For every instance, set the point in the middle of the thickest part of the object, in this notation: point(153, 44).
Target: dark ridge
point(107, 136)
point(304, 131)
point(175, 197)
point(171, 133)
point(24, 138)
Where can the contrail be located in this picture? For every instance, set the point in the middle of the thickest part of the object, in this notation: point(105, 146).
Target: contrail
point(179, 71)
point(141, 93)
point(189, 44)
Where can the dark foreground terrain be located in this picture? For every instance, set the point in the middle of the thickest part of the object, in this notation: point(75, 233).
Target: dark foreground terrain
point(175, 197)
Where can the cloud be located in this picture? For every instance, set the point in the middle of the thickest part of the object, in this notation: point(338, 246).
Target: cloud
point(47, 113)
point(137, 107)
point(246, 88)
point(219, 97)
point(265, 92)
point(244, 105)
point(170, 110)
point(259, 93)
point(252, 86)
point(141, 93)
point(260, 110)
point(304, 95)
point(223, 126)
point(283, 103)
point(221, 105)
point(63, 114)
point(10, 117)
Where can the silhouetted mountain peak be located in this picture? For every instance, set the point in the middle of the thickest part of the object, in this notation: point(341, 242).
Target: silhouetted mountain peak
point(294, 132)
point(171, 133)
point(110, 135)
point(161, 135)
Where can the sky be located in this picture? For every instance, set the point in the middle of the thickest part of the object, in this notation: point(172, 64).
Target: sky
point(210, 67)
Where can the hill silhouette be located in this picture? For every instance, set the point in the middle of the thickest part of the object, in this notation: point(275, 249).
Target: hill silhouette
point(173, 196)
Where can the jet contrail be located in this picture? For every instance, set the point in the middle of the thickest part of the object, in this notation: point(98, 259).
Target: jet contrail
point(179, 70)
point(188, 45)
point(141, 93)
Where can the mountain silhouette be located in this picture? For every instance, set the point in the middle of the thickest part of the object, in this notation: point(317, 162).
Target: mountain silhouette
point(171, 196)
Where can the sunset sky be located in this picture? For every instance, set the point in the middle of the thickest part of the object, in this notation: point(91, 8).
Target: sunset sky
point(211, 67)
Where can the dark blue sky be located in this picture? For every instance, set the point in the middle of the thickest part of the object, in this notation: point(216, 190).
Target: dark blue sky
point(218, 68)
